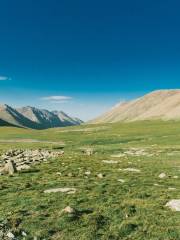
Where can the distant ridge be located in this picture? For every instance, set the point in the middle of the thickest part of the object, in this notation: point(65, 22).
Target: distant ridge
point(66, 119)
point(31, 117)
point(157, 105)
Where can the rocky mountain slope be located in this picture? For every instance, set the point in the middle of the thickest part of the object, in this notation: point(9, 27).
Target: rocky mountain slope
point(66, 119)
point(162, 104)
point(31, 117)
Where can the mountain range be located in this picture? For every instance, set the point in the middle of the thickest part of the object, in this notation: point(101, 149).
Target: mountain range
point(31, 117)
point(157, 105)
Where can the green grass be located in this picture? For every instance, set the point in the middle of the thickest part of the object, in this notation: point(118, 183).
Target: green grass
point(105, 208)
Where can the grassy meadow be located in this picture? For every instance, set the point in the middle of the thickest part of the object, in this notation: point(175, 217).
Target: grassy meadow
point(121, 205)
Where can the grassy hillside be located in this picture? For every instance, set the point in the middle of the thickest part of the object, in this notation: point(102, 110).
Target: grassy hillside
point(105, 207)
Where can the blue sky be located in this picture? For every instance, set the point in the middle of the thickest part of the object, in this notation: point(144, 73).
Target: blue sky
point(85, 56)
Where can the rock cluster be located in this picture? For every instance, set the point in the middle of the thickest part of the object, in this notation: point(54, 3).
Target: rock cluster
point(136, 152)
point(5, 232)
point(18, 159)
point(88, 151)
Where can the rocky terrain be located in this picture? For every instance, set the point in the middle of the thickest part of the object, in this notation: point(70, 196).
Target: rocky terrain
point(114, 181)
point(5, 231)
point(16, 159)
point(157, 105)
point(31, 117)
point(66, 119)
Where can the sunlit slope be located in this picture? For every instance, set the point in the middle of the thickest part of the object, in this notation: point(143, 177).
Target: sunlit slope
point(162, 105)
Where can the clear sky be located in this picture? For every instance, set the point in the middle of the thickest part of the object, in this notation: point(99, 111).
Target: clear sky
point(85, 56)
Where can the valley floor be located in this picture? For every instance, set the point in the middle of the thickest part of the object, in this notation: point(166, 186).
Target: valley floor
point(120, 189)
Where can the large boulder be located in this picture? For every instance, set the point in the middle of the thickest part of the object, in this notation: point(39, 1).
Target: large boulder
point(174, 205)
point(9, 168)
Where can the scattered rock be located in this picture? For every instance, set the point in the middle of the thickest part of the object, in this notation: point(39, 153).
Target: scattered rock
point(87, 173)
point(10, 235)
point(171, 188)
point(162, 175)
point(69, 210)
point(121, 180)
point(174, 205)
point(11, 167)
point(24, 234)
point(134, 152)
point(132, 170)
point(100, 175)
point(5, 231)
point(59, 173)
point(119, 155)
point(156, 184)
point(62, 190)
point(88, 151)
point(110, 161)
point(70, 175)
point(175, 177)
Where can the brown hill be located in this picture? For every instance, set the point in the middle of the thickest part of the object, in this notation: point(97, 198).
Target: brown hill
point(162, 104)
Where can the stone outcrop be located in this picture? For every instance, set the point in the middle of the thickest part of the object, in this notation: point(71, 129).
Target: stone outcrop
point(18, 159)
point(62, 190)
point(5, 231)
point(9, 168)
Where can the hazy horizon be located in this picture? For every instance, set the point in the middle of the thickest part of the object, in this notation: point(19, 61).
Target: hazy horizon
point(75, 107)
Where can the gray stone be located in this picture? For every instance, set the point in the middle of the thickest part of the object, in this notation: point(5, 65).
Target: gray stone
point(68, 209)
point(24, 234)
point(162, 175)
point(100, 175)
point(10, 235)
point(132, 170)
point(23, 167)
point(88, 151)
point(121, 180)
point(11, 167)
point(174, 205)
point(62, 190)
point(110, 161)
point(87, 173)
